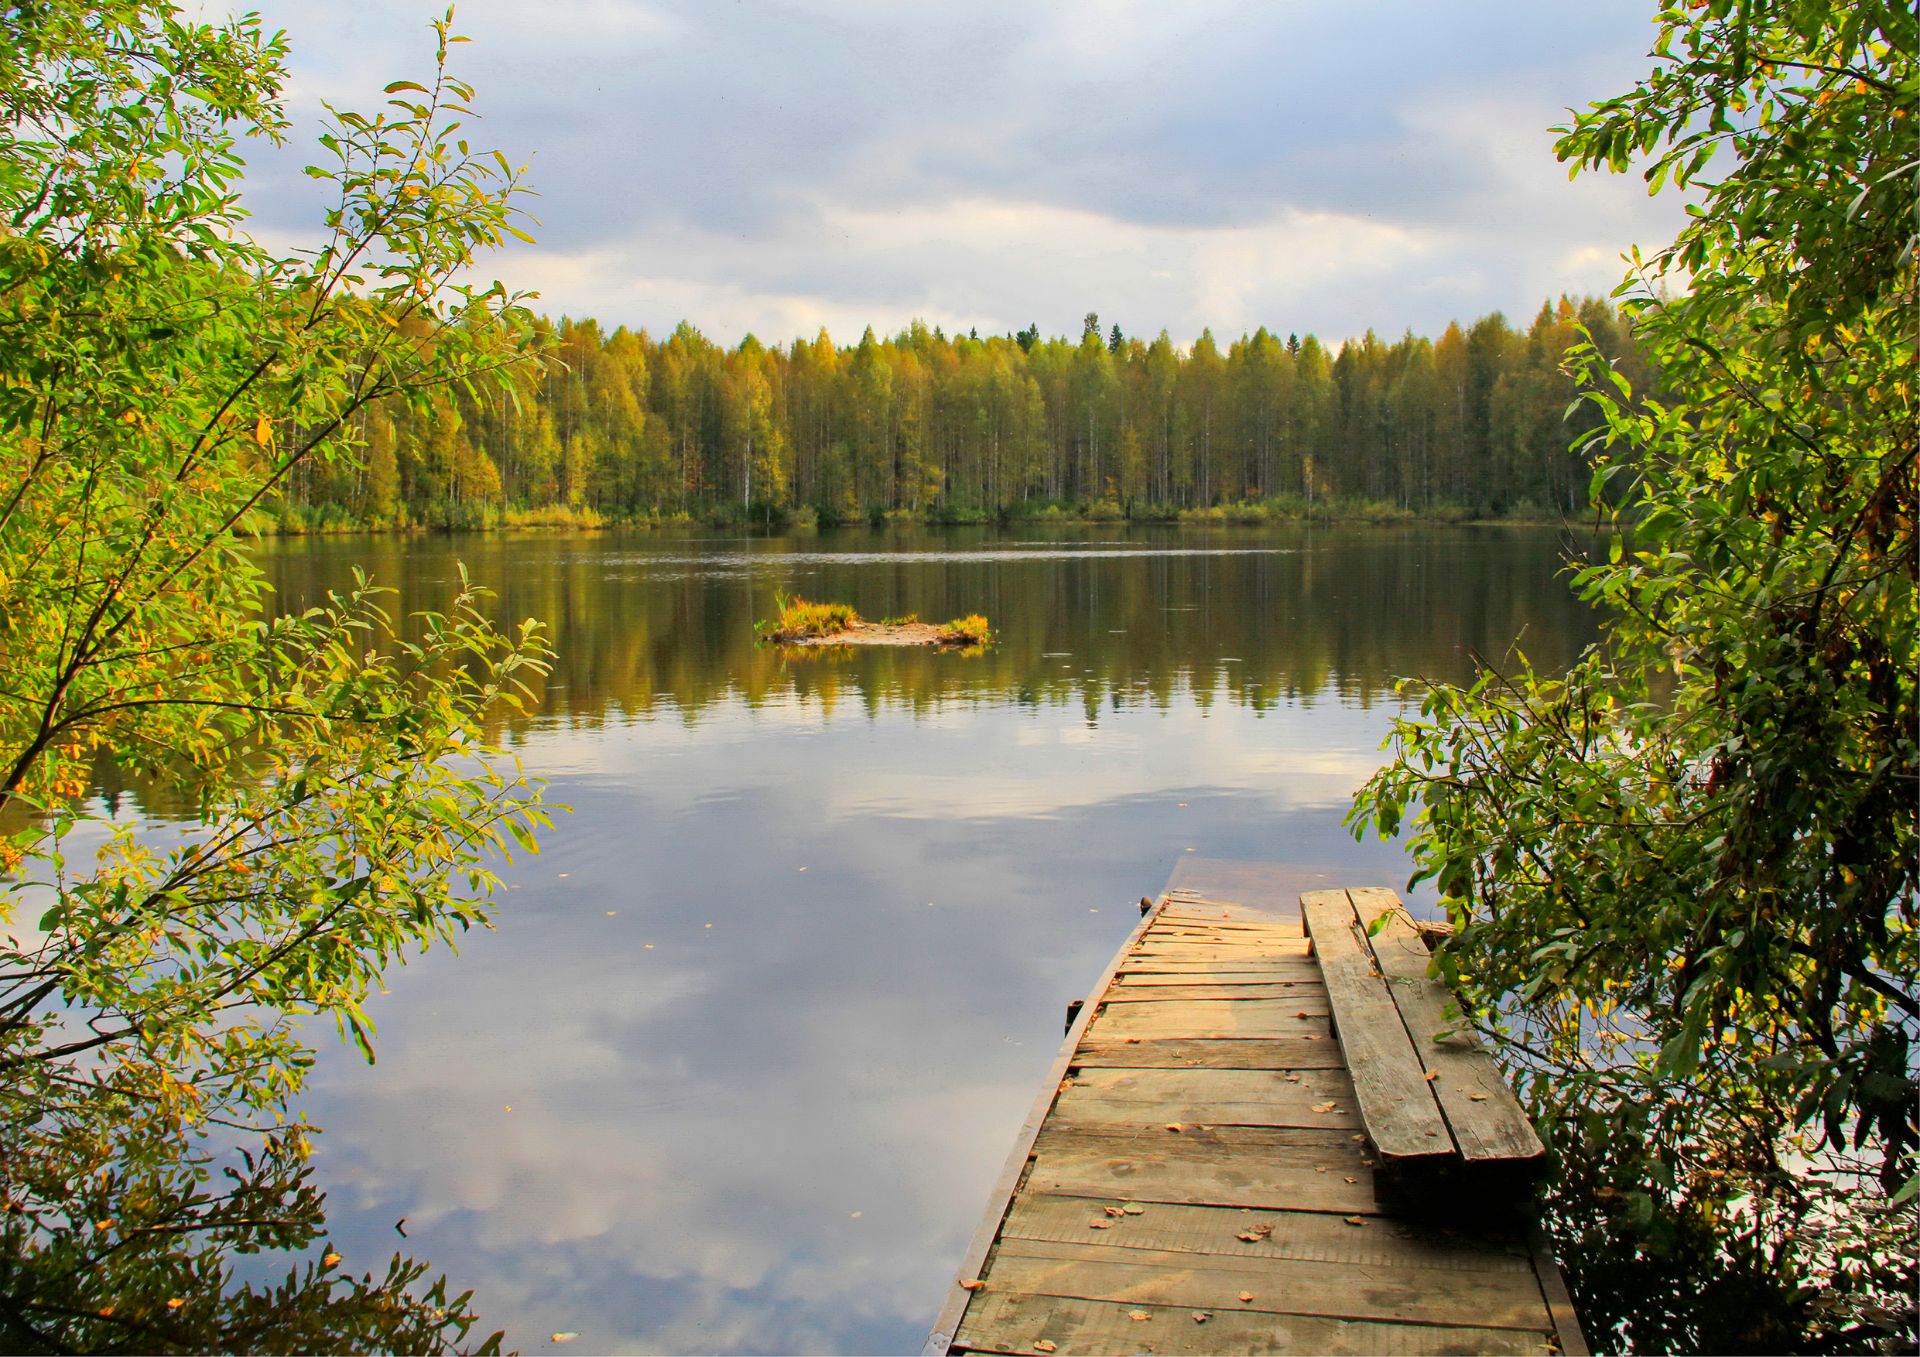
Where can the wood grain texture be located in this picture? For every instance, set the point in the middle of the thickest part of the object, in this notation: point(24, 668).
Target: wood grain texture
point(1103, 1271)
point(1201, 1139)
point(1321, 1098)
point(1485, 1118)
point(1398, 1108)
point(1224, 1019)
point(1207, 1169)
point(1308, 1235)
point(1010, 1322)
point(1277, 1053)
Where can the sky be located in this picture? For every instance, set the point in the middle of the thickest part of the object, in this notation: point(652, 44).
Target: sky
point(775, 166)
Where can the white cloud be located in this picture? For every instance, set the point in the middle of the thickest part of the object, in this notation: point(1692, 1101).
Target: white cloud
point(780, 167)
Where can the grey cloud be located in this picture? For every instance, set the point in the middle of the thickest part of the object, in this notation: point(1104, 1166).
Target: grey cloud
point(711, 149)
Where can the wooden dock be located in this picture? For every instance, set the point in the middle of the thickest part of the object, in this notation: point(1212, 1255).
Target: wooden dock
point(1252, 1142)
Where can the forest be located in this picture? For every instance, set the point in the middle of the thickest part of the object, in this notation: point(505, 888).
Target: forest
point(621, 427)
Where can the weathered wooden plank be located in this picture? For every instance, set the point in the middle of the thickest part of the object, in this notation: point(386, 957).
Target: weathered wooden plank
point(1195, 937)
point(1238, 929)
point(1304, 990)
point(1208, 1169)
point(1171, 950)
point(1278, 1053)
point(1184, 1097)
point(1379, 1242)
point(1498, 1300)
point(1216, 1018)
point(1010, 1322)
point(1486, 1120)
point(1300, 972)
point(1566, 1321)
point(1399, 1110)
point(1174, 916)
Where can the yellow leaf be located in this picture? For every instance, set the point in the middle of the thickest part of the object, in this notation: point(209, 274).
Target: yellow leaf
point(972, 1284)
point(330, 1260)
point(1138, 1315)
point(263, 431)
point(175, 1303)
point(1246, 1296)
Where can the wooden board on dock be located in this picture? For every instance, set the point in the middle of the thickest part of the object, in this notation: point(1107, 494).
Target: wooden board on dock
point(1207, 1168)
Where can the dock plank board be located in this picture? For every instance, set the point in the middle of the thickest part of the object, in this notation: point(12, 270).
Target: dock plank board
point(1321, 1098)
point(1301, 972)
point(1216, 1018)
point(1284, 991)
point(1495, 1300)
point(1190, 1169)
point(1480, 1109)
point(1391, 1085)
point(1009, 1322)
point(1249, 1053)
point(1310, 1235)
point(1205, 1135)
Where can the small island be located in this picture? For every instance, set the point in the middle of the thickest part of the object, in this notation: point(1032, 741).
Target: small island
point(804, 623)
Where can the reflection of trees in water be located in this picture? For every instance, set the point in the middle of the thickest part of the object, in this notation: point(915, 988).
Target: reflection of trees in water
point(1281, 618)
point(137, 1254)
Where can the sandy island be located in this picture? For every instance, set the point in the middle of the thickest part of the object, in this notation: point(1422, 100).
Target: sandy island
point(879, 634)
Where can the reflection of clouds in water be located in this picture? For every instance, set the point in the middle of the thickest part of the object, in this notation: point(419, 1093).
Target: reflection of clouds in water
point(693, 1124)
point(969, 759)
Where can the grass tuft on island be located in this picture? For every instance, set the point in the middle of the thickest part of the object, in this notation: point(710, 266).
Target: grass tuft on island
point(801, 622)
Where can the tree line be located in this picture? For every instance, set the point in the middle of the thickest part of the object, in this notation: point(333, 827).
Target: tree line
point(621, 426)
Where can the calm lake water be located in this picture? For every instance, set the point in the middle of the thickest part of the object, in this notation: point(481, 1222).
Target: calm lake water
point(741, 1063)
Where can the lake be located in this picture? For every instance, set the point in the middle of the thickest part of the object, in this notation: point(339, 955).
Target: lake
point(757, 1028)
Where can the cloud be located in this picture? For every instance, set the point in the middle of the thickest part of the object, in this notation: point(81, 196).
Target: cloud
point(777, 167)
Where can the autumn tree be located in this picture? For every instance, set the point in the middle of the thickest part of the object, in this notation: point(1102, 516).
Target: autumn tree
point(163, 378)
point(1683, 874)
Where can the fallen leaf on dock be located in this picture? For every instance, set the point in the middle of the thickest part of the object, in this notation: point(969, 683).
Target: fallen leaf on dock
point(1432, 1075)
point(1245, 1296)
point(1477, 1097)
point(1175, 1126)
point(1353, 1180)
point(972, 1284)
point(1115, 1210)
point(1099, 1225)
point(1323, 1107)
point(1042, 1345)
point(1201, 1316)
point(1139, 1314)
point(1134, 1209)
point(1356, 1220)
